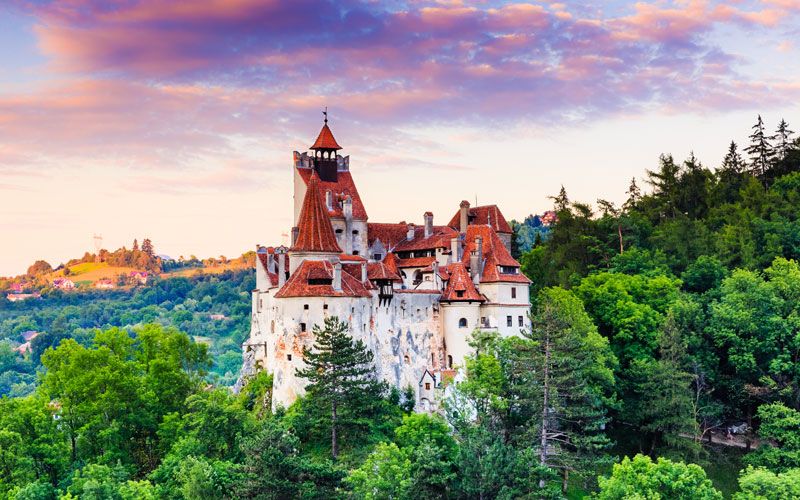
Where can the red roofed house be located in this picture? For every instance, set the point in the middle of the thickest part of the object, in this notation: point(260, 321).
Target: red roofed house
point(413, 293)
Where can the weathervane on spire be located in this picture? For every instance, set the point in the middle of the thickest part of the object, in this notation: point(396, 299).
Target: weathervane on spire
point(326, 114)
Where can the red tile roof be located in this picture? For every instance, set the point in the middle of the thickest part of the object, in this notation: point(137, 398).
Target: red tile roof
point(380, 271)
point(439, 239)
point(298, 286)
point(495, 254)
point(483, 215)
point(315, 230)
point(342, 188)
point(460, 287)
point(389, 233)
point(325, 140)
point(415, 262)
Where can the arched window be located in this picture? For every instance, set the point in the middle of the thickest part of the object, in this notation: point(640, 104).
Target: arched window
point(462, 323)
point(407, 359)
point(417, 277)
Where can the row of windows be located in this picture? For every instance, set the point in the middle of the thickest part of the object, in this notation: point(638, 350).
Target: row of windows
point(462, 323)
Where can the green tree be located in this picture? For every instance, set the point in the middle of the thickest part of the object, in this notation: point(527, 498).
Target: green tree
point(780, 429)
point(760, 151)
point(340, 378)
point(762, 484)
point(640, 478)
point(39, 268)
point(385, 474)
point(273, 467)
point(573, 381)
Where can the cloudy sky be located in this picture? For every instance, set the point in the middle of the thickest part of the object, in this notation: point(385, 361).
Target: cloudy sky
point(177, 120)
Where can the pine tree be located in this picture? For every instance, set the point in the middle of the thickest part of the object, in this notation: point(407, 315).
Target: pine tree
point(733, 162)
point(340, 375)
point(147, 247)
point(665, 185)
point(571, 414)
point(783, 139)
point(634, 195)
point(135, 245)
point(760, 152)
point(561, 201)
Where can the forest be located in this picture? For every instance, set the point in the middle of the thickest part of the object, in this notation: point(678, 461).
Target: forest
point(661, 363)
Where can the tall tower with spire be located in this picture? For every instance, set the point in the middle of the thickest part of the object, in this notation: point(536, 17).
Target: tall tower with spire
point(337, 190)
point(325, 149)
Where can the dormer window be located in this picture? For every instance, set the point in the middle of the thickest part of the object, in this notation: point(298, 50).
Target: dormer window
point(509, 270)
point(459, 293)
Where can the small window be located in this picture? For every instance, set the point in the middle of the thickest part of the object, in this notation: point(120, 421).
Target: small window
point(325, 306)
point(289, 357)
point(462, 323)
point(302, 327)
point(339, 231)
point(459, 293)
point(427, 386)
point(431, 357)
point(509, 321)
point(513, 292)
point(355, 252)
point(355, 231)
point(407, 359)
point(305, 306)
point(376, 256)
point(521, 321)
point(449, 361)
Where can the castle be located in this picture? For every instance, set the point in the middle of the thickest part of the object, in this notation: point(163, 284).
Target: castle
point(412, 293)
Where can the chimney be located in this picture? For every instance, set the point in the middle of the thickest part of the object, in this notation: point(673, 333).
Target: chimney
point(464, 216)
point(428, 224)
point(337, 276)
point(295, 234)
point(473, 266)
point(347, 207)
point(478, 271)
point(281, 251)
point(436, 278)
point(364, 272)
point(410, 234)
point(454, 250)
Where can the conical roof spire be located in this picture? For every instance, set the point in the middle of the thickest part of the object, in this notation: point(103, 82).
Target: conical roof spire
point(315, 233)
point(325, 139)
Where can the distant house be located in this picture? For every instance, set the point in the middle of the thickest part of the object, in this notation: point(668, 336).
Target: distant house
point(17, 287)
point(29, 335)
point(23, 348)
point(64, 284)
point(138, 277)
point(104, 284)
point(17, 297)
point(548, 218)
point(218, 317)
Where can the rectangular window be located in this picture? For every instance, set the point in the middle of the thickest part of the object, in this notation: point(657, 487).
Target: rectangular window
point(376, 256)
point(303, 327)
point(513, 292)
point(325, 306)
point(289, 357)
point(427, 386)
point(305, 306)
point(521, 321)
point(509, 321)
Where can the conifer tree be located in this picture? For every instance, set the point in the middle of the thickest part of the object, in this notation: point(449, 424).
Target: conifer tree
point(147, 247)
point(561, 201)
point(634, 195)
point(135, 245)
point(733, 162)
point(571, 413)
point(340, 375)
point(665, 185)
point(760, 151)
point(783, 140)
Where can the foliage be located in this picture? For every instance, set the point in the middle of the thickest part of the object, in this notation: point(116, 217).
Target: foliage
point(640, 477)
point(762, 484)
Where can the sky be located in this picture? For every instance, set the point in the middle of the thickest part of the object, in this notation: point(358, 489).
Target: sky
point(176, 121)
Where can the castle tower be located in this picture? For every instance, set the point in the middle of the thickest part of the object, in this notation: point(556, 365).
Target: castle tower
point(315, 237)
point(325, 148)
